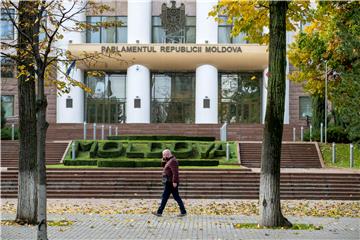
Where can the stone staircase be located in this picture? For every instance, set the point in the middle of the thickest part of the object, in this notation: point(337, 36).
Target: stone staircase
point(10, 153)
point(210, 184)
point(293, 155)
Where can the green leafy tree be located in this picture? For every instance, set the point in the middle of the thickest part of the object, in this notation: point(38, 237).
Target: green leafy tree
point(40, 24)
point(332, 37)
point(251, 17)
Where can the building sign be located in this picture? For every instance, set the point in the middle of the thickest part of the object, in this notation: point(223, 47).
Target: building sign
point(170, 49)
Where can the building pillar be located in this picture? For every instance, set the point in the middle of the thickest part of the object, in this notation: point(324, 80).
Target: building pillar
point(206, 97)
point(138, 94)
point(139, 21)
point(206, 27)
point(264, 95)
point(70, 107)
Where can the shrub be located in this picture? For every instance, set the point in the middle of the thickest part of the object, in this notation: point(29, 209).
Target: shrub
point(153, 146)
point(337, 134)
point(218, 151)
point(68, 162)
point(162, 138)
point(183, 150)
point(132, 153)
point(93, 150)
point(198, 162)
point(86, 145)
point(3, 119)
point(113, 163)
point(109, 149)
point(204, 152)
point(6, 133)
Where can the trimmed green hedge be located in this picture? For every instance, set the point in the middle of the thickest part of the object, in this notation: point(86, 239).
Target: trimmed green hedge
point(198, 162)
point(93, 150)
point(182, 150)
point(132, 153)
point(161, 138)
point(79, 162)
point(152, 153)
point(86, 145)
point(6, 133)
point(77, 149)
point(109, 149)
point(218, 151)
point(205, 154)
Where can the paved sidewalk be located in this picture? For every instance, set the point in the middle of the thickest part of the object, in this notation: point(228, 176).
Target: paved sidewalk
point(147, 226)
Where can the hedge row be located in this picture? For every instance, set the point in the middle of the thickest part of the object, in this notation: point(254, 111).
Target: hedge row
point(182, 150)
point(161, 138)
point(205, 154)
point(138, 163)
point(109, 149)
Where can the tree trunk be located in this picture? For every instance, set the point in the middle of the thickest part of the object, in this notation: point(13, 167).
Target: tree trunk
point(42, 126)
point(27, 177)
point(270, 209)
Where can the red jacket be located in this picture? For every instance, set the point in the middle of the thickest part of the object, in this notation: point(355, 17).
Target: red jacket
point(171, 169)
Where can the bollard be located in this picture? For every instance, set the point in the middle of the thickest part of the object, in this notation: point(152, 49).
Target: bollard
point(302, 133)
point(310, 133)
point(227, 151)
point(110, 131)
point(84, 130)
point(94, 134)
point(351, 155)
point(102, 132)
point(294, 134)
point(13, 132)
point(321, 132)
point(333, 153)
point(73, 151)
point(116, 131)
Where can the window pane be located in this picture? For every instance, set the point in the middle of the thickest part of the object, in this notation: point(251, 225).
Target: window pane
point(158, 35)
point(97, 85)
point(108, 35)
point(8, 105)
point(7, 68)
point(305, 107)
point(190, 34)
point(6, 26)
point(116, 86)
point(239, 38)
point(93, 36)
point(156, 21)
point(190, 21)
point(224, 34)
point(122, 30)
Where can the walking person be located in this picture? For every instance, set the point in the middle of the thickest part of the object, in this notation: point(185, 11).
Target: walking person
point(171, 183)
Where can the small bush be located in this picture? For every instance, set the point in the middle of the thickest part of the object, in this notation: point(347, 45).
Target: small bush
point(161, 138)
point(109, 149)
point(155, 150)
point(6, 133)
point(80, 162)
point(204, 152)
point(218, 151)
point(337, 134)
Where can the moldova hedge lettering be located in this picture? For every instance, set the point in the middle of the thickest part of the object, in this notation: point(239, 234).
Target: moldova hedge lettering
point(110, 149)
point(161, 138)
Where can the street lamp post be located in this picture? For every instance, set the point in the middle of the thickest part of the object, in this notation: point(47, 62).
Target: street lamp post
point(326, 82)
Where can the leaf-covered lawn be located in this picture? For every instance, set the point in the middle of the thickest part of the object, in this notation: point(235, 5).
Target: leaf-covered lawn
point(197, 207)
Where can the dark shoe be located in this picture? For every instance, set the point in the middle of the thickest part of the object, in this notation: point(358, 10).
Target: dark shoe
point(182, 215)
point(157, 214)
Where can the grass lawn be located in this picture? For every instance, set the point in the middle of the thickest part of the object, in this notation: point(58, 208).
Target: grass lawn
point(184, 167)
point(342, 155)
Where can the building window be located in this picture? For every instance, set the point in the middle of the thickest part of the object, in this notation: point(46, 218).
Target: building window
point(224, 33)
point(240, 97)
point(305, 107)
point(187, 35)
point(6, 26)
point(8, 105)
point(106, 102)
point(113, 34)
point(7, 68)
point(173, 98)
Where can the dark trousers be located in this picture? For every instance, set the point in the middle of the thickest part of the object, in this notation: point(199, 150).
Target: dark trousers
point(169, 189)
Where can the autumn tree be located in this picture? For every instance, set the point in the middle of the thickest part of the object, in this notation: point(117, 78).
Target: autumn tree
point(332, 38)
point(40, 25)
point(251, 17)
